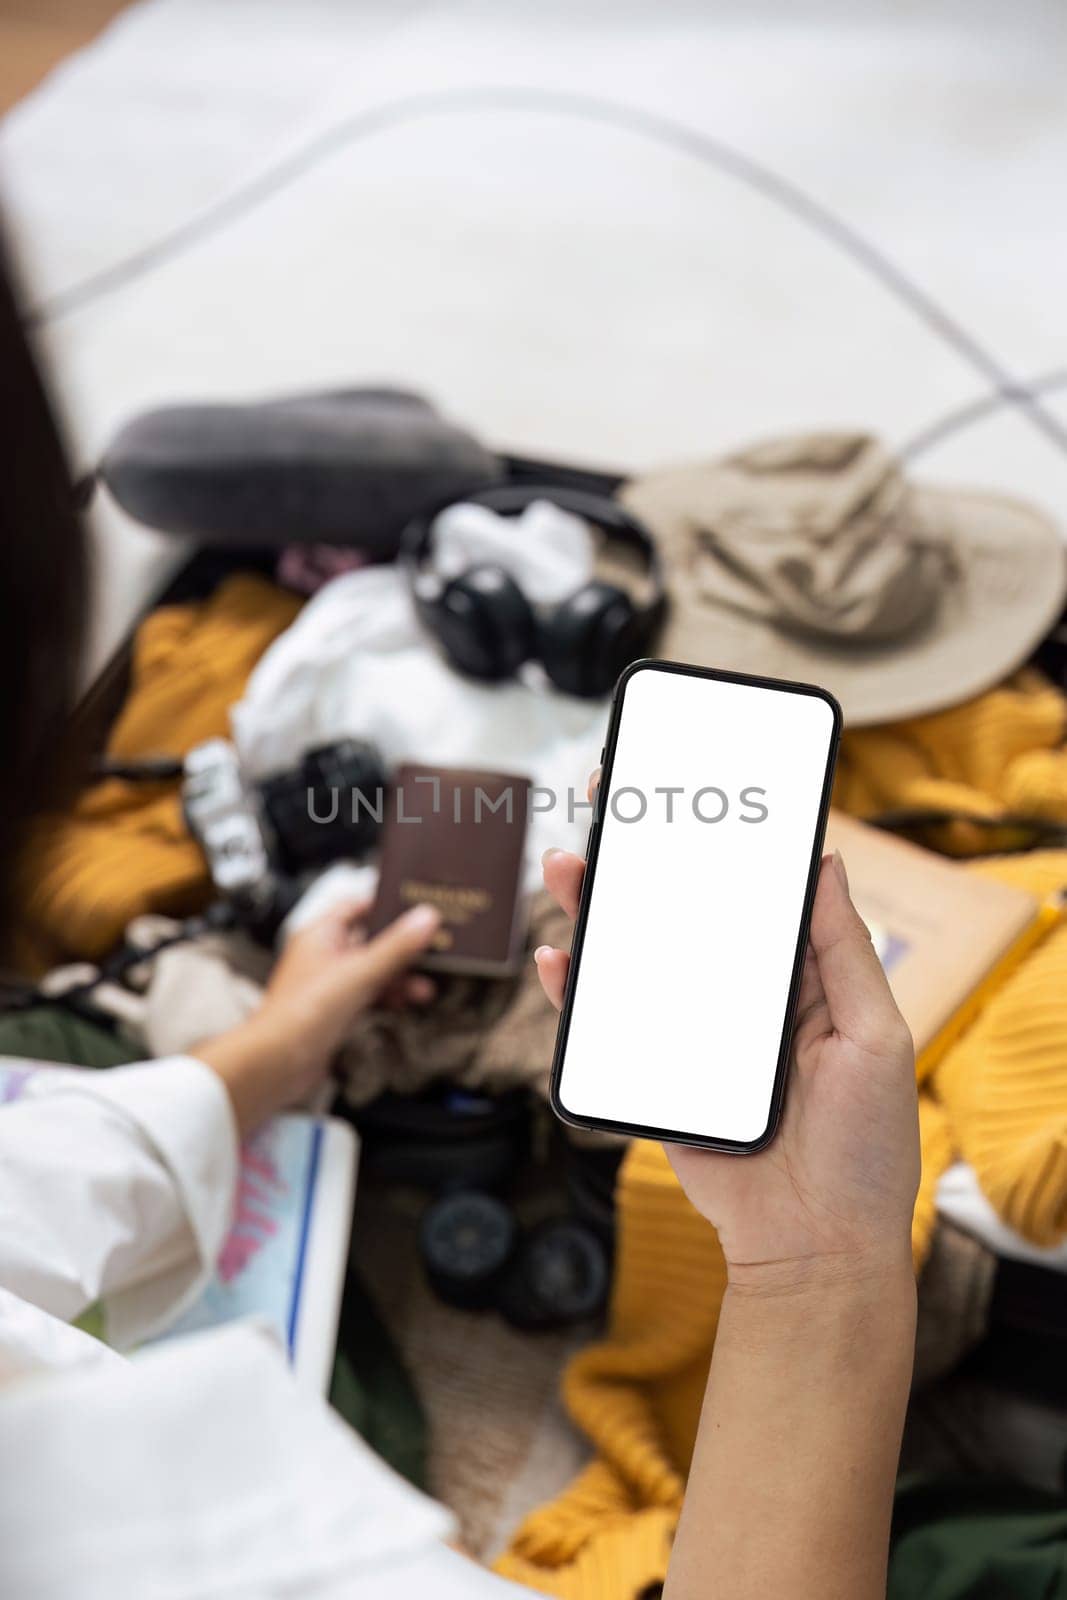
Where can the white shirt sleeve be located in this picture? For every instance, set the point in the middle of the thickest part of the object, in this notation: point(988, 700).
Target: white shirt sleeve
point(116, 1187)
point(200, 1468)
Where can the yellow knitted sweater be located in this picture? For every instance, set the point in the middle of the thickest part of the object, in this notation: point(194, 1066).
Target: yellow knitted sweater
point(998, 1098)
point(123, 848)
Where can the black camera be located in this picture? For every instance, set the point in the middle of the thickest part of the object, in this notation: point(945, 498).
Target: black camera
point(261, 838)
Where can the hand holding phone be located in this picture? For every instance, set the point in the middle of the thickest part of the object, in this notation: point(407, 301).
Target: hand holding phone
point(836, 1187)
point(705, 838)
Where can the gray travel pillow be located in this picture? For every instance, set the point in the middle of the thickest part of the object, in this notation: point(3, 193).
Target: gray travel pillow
point(349, 467)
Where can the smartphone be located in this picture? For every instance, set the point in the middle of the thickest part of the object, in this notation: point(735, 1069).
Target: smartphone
point(703, 855)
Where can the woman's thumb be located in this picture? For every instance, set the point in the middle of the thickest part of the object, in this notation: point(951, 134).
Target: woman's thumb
point(394, 949)
point(857, 992)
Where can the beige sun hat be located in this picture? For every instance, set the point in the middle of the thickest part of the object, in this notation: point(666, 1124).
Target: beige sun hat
point(814, 558)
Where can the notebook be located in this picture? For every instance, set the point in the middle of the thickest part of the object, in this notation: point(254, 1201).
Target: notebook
point(285, 1255)
point(946, 937)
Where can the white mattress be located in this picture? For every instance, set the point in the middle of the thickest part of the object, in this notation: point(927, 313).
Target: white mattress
point(562, 280)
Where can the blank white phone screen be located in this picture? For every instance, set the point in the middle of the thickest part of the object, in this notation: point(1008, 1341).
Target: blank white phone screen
point(708, 827)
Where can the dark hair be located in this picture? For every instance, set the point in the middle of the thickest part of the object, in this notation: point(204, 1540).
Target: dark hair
point(43, 592)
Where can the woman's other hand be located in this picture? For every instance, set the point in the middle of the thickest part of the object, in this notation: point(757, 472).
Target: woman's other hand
point(832, 1195)
point(326, 975)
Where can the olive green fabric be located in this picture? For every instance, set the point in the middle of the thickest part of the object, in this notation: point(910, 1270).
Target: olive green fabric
point(970, 1540)
point(52, 1033)
point(371, 1388)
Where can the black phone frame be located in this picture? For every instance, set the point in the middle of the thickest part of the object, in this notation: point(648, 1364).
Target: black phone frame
point(669, 1135)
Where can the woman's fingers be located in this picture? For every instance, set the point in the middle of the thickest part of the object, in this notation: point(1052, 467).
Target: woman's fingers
point(372, 967)
point(563, 874)
point(858, 998)
point(591, 786)
point(419, 989)
point(564, 871)
point(813, 1018)
point(410, 989)
point(339, 926)
point(552, 970)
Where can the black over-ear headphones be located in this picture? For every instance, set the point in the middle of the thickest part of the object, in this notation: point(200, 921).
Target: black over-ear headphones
point(488, 627)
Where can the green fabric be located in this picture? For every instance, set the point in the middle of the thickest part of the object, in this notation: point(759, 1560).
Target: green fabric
point(51, 1033)
point(955, 1540)
point(370, 1387)
point(93, 1322)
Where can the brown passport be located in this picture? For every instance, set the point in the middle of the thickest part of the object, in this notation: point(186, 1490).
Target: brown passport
point(456, 839)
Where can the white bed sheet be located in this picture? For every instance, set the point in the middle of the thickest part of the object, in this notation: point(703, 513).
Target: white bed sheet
point(566, 286)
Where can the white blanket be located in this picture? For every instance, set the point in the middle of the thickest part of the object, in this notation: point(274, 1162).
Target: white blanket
point(358, 663)
point(563, 282)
